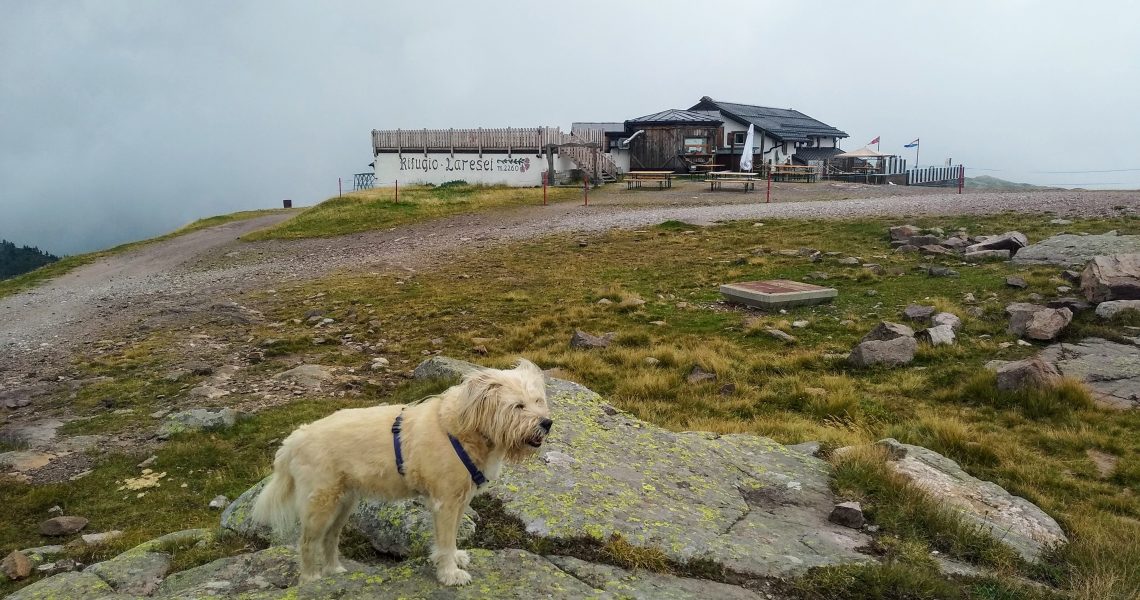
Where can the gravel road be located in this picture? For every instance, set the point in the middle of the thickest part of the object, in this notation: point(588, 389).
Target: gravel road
point(48, 324)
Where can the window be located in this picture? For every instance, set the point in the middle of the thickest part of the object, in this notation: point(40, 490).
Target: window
point(696, 145)
point(738, 138)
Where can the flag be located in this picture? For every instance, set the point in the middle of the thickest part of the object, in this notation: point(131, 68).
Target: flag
point(746, 154)
point(912, 144)
point(874, 141)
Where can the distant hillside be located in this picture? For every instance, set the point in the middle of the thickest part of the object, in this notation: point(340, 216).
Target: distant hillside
point(15, 260)
point(993, 184)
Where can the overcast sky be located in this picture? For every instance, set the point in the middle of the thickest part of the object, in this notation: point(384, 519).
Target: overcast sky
point(121, 120)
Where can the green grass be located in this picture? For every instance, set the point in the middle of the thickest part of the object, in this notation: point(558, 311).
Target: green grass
point(67, 264)
point(377, 208)
point(526, 299)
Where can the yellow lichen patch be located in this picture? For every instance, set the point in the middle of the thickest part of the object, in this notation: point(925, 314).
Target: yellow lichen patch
point(148, 479)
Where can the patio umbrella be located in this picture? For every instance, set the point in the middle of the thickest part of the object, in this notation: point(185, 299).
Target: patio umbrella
point(746, 155)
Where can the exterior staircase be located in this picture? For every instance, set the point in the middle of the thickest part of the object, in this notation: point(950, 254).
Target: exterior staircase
point(593, 162)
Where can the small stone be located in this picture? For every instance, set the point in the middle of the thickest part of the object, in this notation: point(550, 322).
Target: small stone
point(437, 341)
point(904, 232)
point(906, 248)
point(1108, 310)
point(969, 298)
point(1028, 373)
point(1063, 289)
point(650, 361)
point(940, 335)
point(1070, 302)
point(886, 330)
point(481, 350)
point(97, 539)
point(800, 324)
point(817, 275)
point(699, 375)
point(586, 341)
point(1060, 222)
point(62, 526)
point(871, 293)
point(919, 313)
point(899, 351)
point(727, 389)
point(847, 514)
point(940, 271)
point(604, 302)
point(850, 260)
point(219, 502)
point(16, 566)
point(1016, 282)
point(945, 318)
point(780, 335)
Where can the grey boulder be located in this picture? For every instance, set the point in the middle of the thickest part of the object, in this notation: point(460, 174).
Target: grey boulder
point(1029, 373)
point(1037, 322)
point(197, 419)
point(886, 330)
point(1115, 277)
point(892, 353)
point(1010, 241)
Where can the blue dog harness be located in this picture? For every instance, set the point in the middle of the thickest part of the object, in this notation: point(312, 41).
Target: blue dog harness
point(476, 474)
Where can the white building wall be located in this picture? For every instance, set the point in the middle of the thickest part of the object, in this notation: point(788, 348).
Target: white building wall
point(620, 158)
point(520, 170)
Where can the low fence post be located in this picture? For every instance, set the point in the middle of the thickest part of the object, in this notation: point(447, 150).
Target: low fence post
point(585, 189)
point(397, 191)
point(339, 187)
point(769, 198)
point(961, 177)
point(545, 177)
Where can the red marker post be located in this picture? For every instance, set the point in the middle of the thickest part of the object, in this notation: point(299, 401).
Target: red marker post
point(961, 177)
point(545, 177)
point(769, 199)
point(397, 191)
point(585, 190)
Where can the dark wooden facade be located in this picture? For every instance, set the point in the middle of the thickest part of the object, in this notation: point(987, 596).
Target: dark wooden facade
point(663, 147)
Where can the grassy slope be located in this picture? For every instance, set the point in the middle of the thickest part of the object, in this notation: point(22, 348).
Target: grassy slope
point(529, 297)
point(63, 266)
point(994, 184)
point(377, 209)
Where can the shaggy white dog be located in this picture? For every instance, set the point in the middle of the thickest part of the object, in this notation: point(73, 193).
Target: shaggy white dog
point(441, 448)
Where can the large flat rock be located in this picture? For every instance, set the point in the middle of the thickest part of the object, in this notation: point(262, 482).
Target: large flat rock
point(777, 293)
point(1070, 249)
point(744, 501)
point(1110, 370)
point(1012, 520)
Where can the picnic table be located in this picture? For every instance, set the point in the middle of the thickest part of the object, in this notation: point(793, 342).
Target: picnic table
point(805, 173)
point(717, 179)
point(634, 179)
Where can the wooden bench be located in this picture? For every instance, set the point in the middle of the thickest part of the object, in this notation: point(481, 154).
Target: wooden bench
point(804, 173)
point(634, 179)
point(717, 179)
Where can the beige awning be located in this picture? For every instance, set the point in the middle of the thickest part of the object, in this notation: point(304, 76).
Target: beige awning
point(862, 153)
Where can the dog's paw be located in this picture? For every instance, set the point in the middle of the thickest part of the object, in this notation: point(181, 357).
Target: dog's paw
point(453, 577)
point(462, 559)
point(333, 570)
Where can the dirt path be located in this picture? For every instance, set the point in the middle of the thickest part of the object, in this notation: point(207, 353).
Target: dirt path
point(46, 325)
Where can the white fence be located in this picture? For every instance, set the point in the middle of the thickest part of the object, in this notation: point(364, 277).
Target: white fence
point(935, 175)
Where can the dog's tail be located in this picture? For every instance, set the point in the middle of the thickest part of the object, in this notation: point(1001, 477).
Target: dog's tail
point(275, 505)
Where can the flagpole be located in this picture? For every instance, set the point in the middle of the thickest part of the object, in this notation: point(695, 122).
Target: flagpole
point(916, 146)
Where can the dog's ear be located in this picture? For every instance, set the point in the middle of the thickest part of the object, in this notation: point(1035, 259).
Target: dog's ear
point(530, 368)
point(476, 400)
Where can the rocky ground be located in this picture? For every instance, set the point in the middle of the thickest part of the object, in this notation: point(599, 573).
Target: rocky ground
point(746, 502)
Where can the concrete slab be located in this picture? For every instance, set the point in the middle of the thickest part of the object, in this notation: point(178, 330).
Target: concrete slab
point(777, 293)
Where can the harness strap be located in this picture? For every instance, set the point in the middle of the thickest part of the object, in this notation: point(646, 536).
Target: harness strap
point(396, 443)
point(476, 474)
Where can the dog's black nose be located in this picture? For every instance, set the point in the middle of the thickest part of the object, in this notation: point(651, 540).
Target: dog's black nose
point(545, 424)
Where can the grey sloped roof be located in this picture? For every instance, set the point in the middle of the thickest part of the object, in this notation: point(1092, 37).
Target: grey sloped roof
point(807, 154)
point(674, 115)
point(607, 127)
point(782, 123)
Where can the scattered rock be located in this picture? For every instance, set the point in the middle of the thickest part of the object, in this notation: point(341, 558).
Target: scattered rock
point(98, 539)
point(197, 419)
point(780, 335)
point(727, 389)
point(940, 271)
point(945, 318)
point(604, 302)
point(699, 375)
point(847, 514)
point(650, 361)
point(16, 566)
point(1016, 282)
point(886, 330)
point(1013, 520)
point(850, 261)
point(926, 240)
point(956, 243)
point(800, 324)
point(1071, 249)
point(934, 249)
point(1028, 373)
point(1108, 310)
point(219, 502)
point(57, 526)
point(983, 255)
point(1037, 322)
point(919, 313)
point(1010, 241)
point(1072, 303)
point(312, 377)
point(1060, 222)
point(1109, 370)
point(586, 341)
point(898, 351)
point(148, 462)
point(904, 232)
point(939, 335)
point(906, 248)
point(481, 350)
point(1114, 277)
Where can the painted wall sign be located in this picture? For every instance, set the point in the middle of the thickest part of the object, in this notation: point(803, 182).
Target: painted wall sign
point(520, 170)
